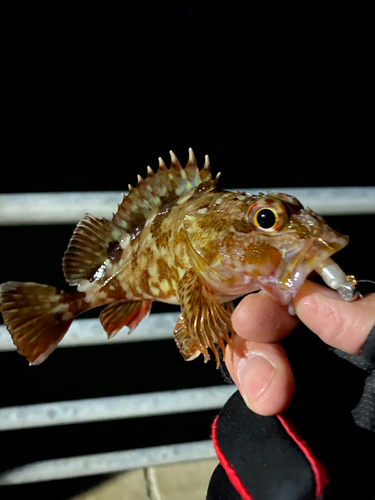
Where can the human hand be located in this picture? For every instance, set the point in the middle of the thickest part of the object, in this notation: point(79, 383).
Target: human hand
point(257, 362)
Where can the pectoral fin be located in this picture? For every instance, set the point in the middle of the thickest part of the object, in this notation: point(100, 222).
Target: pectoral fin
point(206, 322)
point(186, 344)
point(119, 314)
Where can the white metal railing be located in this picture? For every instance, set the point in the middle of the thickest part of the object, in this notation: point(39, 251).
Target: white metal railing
point(84, 332)
point(106, 463)
point(68, 208)
point(115, 407)
point(64, 208)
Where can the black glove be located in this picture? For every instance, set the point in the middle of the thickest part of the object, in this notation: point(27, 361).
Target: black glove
point(265, 458)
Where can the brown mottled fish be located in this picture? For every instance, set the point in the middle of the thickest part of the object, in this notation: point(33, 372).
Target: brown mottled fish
point(177, 239)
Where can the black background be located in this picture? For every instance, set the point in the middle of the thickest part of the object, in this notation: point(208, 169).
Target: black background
point(278, 96)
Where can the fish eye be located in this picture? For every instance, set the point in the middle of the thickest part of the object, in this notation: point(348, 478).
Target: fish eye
point(266, 218)
point(268, 214)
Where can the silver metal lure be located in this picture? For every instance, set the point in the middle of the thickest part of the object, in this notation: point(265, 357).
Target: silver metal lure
point(335, 278)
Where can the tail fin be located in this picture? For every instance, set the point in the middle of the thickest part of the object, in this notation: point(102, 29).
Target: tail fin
point(37, 317)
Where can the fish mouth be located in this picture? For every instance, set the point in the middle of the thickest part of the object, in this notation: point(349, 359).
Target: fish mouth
point(297, 264)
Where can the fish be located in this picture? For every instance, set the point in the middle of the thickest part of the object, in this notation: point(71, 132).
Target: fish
point(175, 238)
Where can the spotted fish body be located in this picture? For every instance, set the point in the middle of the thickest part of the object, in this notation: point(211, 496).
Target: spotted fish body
point(177, 239)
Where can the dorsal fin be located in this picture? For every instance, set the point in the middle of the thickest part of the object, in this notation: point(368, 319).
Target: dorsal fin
point(92, 243)
point(94, 240)
point(159, 189)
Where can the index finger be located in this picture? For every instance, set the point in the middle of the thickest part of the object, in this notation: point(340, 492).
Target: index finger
point(344, 325)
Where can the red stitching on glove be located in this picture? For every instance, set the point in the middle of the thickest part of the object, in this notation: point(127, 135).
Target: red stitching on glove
point(231, 473)
point(319, 471)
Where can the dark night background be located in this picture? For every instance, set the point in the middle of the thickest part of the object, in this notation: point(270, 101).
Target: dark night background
point(277, 94)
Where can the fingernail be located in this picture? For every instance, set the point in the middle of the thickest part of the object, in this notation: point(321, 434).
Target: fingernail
point(255, 373)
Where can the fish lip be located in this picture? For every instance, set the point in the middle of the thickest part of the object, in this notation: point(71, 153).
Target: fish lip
point(294, 269)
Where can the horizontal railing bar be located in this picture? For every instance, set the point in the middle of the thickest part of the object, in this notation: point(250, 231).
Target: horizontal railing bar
point(106, 463)
point(56, 208)
point(115, 407)
point(68, 208)
point(85, 332)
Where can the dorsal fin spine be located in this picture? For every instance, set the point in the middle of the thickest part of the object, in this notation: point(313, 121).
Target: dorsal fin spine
point(192, 161)
point(174, 161)
point(162, 165)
